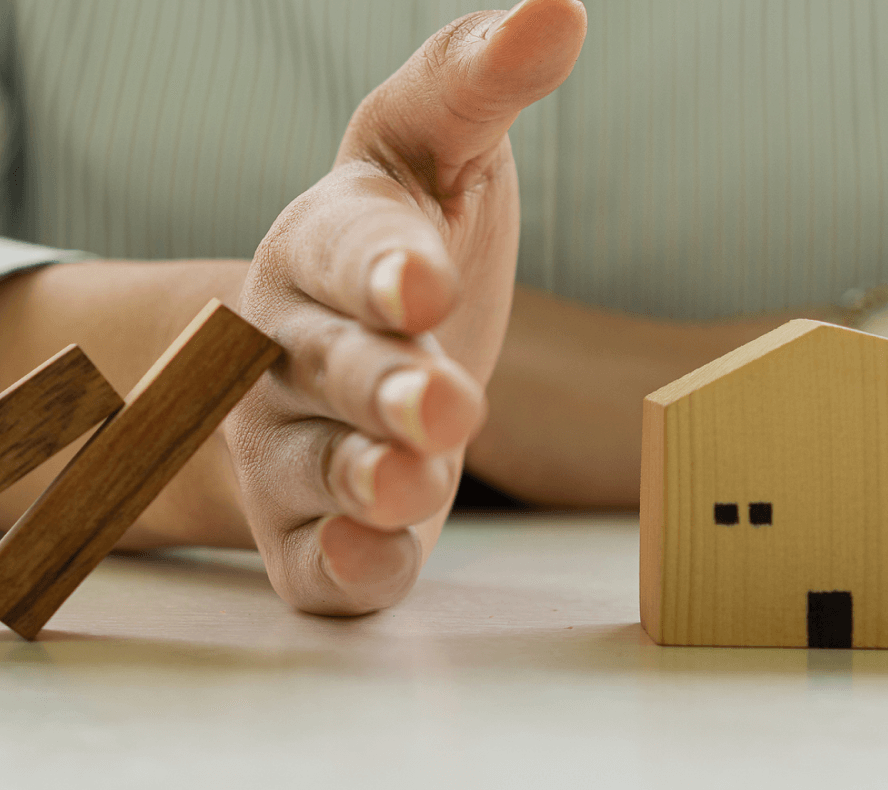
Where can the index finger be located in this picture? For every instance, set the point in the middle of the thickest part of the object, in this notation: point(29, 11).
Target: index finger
point(356, 242)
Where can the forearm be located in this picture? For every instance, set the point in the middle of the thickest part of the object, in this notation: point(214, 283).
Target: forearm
point(124, 315)
point(565, 400)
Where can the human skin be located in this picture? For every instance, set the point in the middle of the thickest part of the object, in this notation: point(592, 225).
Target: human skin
point(414, 232)
point(583, 372)
point(564, 429)
point(389, 286)
point(424, 169)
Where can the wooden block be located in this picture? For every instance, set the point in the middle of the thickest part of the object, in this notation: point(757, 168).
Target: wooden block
point(764, 496)
point(48, 409)
point(176, 406)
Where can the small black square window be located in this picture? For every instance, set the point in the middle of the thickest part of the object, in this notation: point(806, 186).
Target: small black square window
point(726, 513)
point(759, 513)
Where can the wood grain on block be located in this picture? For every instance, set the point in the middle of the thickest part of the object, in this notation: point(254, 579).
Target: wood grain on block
point(764, 499)
point(176, 406)
point(48, 409)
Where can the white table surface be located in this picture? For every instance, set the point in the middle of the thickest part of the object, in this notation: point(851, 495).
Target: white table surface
point(517, 661)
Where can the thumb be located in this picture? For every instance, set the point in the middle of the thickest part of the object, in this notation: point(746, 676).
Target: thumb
point(455, 98)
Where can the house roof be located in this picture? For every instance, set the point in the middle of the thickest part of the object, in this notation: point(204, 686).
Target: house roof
point(739, 357)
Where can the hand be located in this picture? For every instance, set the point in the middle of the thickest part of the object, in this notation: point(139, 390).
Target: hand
point(389, 284)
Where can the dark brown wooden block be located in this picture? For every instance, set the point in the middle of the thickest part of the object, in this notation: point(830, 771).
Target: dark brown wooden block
point(48, 409)
point(77, 521)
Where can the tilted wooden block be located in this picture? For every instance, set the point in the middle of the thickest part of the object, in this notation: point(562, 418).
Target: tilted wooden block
point(764, 498)
point(48, 409)
point(176, 406)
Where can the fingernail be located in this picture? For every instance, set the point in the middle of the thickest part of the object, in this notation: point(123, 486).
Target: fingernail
point(363, 475)
point(385, 286)
point(325, 559)
point(400, 403)
point(319, 528)
point(502, 20)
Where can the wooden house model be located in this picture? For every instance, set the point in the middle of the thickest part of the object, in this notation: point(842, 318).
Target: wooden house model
point(764, 495)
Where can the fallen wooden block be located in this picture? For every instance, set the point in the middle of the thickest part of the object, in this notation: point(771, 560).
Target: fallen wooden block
point(76, 522)
point(48, 409)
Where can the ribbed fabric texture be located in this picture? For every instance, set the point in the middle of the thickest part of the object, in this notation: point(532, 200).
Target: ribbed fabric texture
point(706, 158)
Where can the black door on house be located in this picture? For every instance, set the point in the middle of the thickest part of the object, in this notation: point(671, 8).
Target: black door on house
point(830, 619)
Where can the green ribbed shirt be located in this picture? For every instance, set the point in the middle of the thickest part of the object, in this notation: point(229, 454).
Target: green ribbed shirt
point(706, 158)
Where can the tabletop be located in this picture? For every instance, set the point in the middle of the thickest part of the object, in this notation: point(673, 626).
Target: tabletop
point(517, 661)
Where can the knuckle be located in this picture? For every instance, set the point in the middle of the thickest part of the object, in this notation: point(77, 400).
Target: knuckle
point(447, 61)
point(276, 241)
point(451, 39)
point(271, 271)
point(250, 445)
point(315, 351)
point(330, 461)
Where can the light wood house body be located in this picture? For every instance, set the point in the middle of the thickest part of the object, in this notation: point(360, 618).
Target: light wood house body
point(764, 496)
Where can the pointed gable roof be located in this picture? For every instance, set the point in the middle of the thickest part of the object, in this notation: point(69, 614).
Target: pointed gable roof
point(738, 358)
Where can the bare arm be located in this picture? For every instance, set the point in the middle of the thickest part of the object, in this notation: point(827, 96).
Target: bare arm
point(124, 315)
point(564, 428)
point(387, 283)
